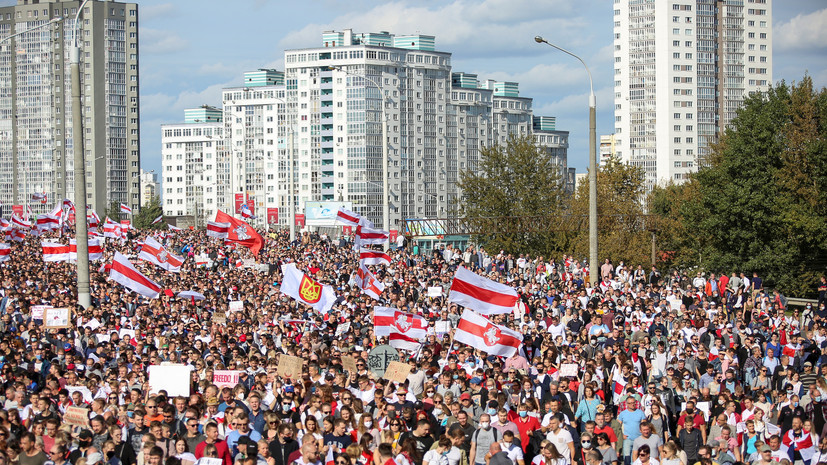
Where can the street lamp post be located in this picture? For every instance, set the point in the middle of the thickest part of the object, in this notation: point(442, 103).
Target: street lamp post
point(6, 39)
point(386, 221)
point(593, 264)
point(81, 235)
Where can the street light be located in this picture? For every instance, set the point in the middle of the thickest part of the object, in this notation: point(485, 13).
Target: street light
point(81, 235)
point(593, 264)
point(386, 221)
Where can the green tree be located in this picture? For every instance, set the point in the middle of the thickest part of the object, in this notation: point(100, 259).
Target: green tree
point(148, 214)
point(621, 230)
point(512, 181)
point(113, 211)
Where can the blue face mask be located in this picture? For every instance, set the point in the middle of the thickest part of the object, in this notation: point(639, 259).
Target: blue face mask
point(523, 413)
point(817, 399)
point(493, 411)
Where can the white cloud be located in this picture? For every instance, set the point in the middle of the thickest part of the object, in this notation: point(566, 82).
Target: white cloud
point(156, 41)
point(804, 32)
point(150, 12)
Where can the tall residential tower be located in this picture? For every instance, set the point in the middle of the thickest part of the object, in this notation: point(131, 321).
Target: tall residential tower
point(682, 69)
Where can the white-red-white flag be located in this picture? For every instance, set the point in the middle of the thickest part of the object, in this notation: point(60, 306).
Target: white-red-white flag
point(218, 230)
point(39, 197)
point(55, 252)
point(154, 252)
point(111, 229)
point(480, 333)
point(17, 235)
point(20, 223)
point(368, 283)
point(385, 318)
point(94, 247)
point(92, 219)
point(123, 273)
point(126, 209)
point(481, 294)
point(347, 217)
point(5, 252)
point(402, 341)
point(374, 257)
point(173, 228)
point(369, 236)
point(48, 222)
point(158, 220)
point(5, 225)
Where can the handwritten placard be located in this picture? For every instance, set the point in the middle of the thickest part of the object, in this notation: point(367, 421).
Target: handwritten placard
point(237, 306)
point(76, 416)
point(219, 318)
point(343, 328)
point(569, 369)
point(397, 372)
point(290, 366)
point(349, 364)
point(435, 291)
point(229, 378)
point(57, 318)
point(37, 311)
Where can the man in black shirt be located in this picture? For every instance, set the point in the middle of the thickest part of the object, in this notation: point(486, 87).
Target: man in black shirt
point(284, 445)
point(421, 436)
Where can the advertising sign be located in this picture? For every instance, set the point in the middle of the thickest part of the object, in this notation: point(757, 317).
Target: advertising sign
point(239, 200)
point(324, 213)
point(272, 215)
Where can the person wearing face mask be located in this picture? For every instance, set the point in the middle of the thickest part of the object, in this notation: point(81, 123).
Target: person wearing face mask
point(84, 443)
point(514, 452)
point(526, 424)
point(482, 439)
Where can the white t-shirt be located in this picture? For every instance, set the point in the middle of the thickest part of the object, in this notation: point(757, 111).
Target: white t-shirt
point(433, 457)
point(514, 452)
point(561, 441)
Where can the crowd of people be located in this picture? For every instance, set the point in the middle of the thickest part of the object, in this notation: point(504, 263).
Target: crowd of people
point(645, 368)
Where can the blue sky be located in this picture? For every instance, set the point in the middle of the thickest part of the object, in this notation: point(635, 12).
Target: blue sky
point(190, 49)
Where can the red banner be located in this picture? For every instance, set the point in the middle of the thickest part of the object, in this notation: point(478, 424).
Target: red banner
point(239, 200)
point(17, 209)
point(300, 219)
point(251, 203)
point(392, 235)
point(272, 215)
point(347, 230)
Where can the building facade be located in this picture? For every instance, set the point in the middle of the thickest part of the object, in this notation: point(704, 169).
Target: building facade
point(36, 145)
point(150, 187)
point(682, 69)
point(314, 132)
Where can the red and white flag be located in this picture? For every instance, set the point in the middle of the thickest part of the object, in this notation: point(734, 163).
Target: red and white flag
point(478, 332)
point(173, 228)
point(246, 213)
point(20, 223)
point(618, 386)
point(17, 235)
point(347, 217)
point(368, 283)
point(112, 229)
point(68, 205)
point(218, 230)
point(5, 225)
point(93, 246)
point(402, 341)
point(369, 236)
point(330, 459)
point(55, 252)
point(374, 257)
point(154, 252)
point(122, 272)
point(39, 197)
point(803, 444)
point(241, 232)
point(385, 318)
point(48, 222)
point(92, 219)
point(481, 294)
point(126, 209)
point(158, 220)
point(5, 252)
point(789, 350)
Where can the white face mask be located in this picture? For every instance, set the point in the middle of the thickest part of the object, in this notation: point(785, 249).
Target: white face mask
point(485, 425)
point(368, 424)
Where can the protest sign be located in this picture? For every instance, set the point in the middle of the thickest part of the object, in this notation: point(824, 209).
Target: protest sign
point(397, 372)
point(349, 364)
point(174, 379)
point(435, 291)
point(290, 366)
point(569, 369)
point(57, 318)
point(76, 416)
point(229, 378)
point(343, 328)
point(237, 306)
point(37, 311)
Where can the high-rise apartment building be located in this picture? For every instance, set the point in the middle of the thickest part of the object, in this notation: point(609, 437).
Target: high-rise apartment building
point(316, 129)
point(36, 145)
point(682, 69)
point(150, 187)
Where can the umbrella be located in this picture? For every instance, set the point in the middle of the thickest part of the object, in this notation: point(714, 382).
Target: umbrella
point(191, 295)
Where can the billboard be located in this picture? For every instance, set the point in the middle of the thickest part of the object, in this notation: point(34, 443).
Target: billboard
point(324, 213)
point(239, 199)
point(272, 215)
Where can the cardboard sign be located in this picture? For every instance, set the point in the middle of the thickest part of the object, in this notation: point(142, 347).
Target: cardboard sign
point(569, 369)
point(442, 327)
point(127, 333)
point(229, 378)
point(175, 380)
point(76, 416)
point(210, 461)
point(57, 318)
point(397, 372)
point(290, 366)
point(93, 324)
point(349, 364)
point(237, 306)
point(343, 328)
point(435, 291)
point(37, 311)
point(219, 318)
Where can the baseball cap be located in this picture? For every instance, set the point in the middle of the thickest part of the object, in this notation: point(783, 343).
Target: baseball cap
point(765, 448)
point(465, 396)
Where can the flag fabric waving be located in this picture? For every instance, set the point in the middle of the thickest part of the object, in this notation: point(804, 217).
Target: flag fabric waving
point(241, 232)
point(173, 228)
point(374, 257)
point(40, 197)
point(126, 209)
point(218, 230)
point(123, 273)
point(400, 340)
point(5, 252)
point(158, 220)
point(154, 252)
point(369, 236)
point(368, 282)
point(306, 289)
point(111, 229)
point(386, 318)
point(48, 222)
point(478, 332)
point(246, 213)
point(802, 444)
point(55, 252)
point(93, 246)
point(481, 294)
point(347, 217)
point(20, 223)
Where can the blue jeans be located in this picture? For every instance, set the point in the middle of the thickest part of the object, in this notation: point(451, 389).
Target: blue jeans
point(627, 451)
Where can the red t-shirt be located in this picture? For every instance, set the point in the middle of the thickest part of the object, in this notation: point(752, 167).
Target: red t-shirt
point(609, 432)
point(526, 427)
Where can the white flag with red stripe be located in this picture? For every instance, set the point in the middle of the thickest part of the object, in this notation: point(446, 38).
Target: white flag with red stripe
point(92, 219)
point(48, 222)
point(5, 252)
point(55, 252)
point(374, 257)
point(478, 332)
point(20, 223)
point(481, 294)
point(123, 273)
point(111, 229)
point(5, 225)
point(16, 235)
point(94, 246)
point(402, 341)
point(158, 220)
point(153, 252)
point(218, 230)
point(386, 318)
point(368, 283)
point(173, 228)
point(347, 217)
point(126, 209)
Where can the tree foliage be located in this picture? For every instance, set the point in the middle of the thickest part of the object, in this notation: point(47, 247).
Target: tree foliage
point(761, 205)
point(513, 180)
point(148, 214)
point(113, 211)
